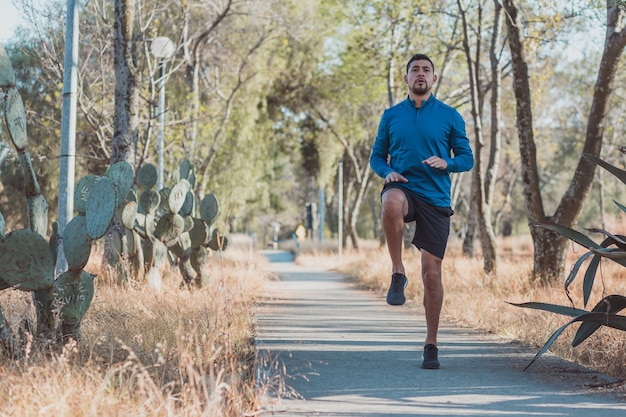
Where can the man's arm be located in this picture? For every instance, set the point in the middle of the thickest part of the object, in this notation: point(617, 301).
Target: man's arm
point(380, 150)
point(463, 157)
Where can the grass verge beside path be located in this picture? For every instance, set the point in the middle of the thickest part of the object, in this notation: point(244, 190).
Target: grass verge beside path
point(476, 300)
point(146, 353)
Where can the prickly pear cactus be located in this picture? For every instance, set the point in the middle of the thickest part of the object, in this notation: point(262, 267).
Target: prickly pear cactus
point(73, 291)
point(173, 225)
point(27, 260)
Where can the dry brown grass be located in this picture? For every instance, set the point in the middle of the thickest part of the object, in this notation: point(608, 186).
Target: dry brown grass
point(477, 300)
point(147, 353)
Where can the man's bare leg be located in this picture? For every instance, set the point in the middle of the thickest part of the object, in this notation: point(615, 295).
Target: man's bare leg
point(433, 294)
point(395, 207)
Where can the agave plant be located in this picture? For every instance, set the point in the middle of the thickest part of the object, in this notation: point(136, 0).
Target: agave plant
point(604, 313)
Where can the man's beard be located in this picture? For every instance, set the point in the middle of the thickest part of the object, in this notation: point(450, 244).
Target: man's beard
point(420, 91)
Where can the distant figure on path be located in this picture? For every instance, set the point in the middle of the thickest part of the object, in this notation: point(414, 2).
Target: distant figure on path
point(420, 141)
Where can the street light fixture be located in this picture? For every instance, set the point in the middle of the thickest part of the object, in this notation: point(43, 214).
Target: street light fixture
point(162, 49)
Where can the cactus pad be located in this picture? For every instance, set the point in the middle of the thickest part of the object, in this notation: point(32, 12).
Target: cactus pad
point(165, 196)
point(81, 193)
point(186, 169)
point(149, 201)
point(160, 254)
point(133, 241)
point(15, 118)
point(199, 233)
point(198, 258)
point(192, 179)
point(188, 205)
point(208, 208)
point(218, 242)
point(147, 176)
point(31, 186)
point(73, 292)
point(181, 245)
point(76, 243)
point(100, 207)
point(188, 223)
point(26, 261)
point(129, 214)
point(178, 195)
point(7, 76)
point(122, 175)
point(169, 227)
point(38, 214)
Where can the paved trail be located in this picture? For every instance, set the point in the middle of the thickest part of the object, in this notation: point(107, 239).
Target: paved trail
point(347, 353)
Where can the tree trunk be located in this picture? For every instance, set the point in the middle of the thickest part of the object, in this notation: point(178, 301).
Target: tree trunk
point(572, 201)
point(549, 247)
point(125, 120)
point(483, 210)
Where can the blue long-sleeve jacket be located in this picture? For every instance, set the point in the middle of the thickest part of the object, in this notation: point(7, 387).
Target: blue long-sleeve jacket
point(408, 135)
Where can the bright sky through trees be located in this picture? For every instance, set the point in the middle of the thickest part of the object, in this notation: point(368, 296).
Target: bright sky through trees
point(9, 19)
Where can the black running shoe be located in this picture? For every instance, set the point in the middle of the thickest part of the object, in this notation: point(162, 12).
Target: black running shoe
point(430, 357)
point(395, 295)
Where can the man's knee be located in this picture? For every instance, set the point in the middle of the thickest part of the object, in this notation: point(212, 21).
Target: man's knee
point(394, 202)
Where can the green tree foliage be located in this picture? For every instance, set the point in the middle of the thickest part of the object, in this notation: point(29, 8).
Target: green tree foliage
point(263, 96)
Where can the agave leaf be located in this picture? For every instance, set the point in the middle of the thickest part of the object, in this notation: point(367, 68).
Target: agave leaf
point(549, 343)
point(620, 241)
point(611, 239)
point(619, 173)
point(610, 304)
point(575, 269)
point(553, 308)
point(571, 234)
point(590, 276)
point(613, 254)
point(611, 320)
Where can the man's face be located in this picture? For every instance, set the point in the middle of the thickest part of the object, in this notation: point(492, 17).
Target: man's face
point(420, 78)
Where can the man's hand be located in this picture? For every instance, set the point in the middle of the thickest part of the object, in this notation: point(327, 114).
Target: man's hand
point(394, 177)
point(436, 162)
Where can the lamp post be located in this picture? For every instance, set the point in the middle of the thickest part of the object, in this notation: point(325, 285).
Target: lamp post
point(162, 49)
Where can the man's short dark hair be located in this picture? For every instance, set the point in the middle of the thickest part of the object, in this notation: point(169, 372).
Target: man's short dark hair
point(419, 57)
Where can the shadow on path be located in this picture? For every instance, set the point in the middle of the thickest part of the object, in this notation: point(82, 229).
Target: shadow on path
point(347, 353)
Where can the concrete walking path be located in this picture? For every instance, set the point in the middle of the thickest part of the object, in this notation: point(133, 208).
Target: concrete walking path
point(326, 348)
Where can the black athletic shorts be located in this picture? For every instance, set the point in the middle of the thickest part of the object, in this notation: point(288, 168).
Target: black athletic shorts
point(432, 223)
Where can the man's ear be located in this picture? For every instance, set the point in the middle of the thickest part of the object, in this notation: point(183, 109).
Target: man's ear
point(434, 78)
point(406, 80)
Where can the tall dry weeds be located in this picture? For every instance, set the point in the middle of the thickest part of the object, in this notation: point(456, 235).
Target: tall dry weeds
point(143, 352)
